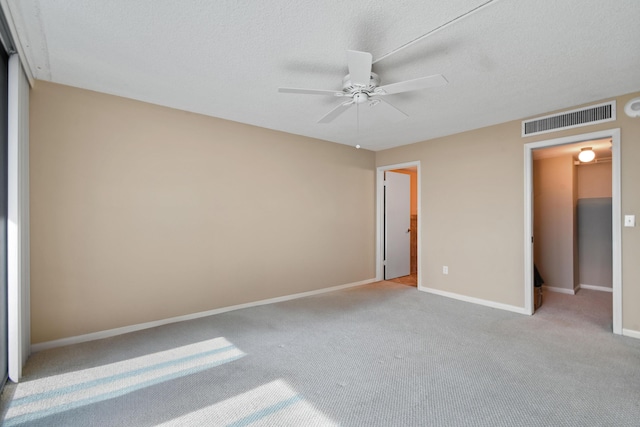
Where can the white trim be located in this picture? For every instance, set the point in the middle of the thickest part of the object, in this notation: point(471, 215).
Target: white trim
point(18, 314)
point(379, 226)
point(616, 225)
point(486, 303)
point(380, 217)
point(528, 232)
point(9, 15)
point(595, 288)
point(631, 333)
point(133, 328)
point(559, 290)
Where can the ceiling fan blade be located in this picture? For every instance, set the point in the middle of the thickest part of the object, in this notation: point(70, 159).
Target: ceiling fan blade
point(331, 115)
point(392, 113)
point(415, 84)
point(310, 91)
point(359, 67)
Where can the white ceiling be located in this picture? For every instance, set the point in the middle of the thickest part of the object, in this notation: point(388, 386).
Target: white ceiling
point(226, 58)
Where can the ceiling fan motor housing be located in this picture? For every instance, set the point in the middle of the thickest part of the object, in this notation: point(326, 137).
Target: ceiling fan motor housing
point(362, 86)
point(349, 88)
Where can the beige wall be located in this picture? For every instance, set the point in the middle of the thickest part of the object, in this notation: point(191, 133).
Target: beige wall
point(473, 209)
point(594, 180)
point(554, 220)
point(471, 213)
point(140, 213)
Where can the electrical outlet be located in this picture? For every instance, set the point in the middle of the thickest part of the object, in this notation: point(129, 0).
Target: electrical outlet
point(445, 269)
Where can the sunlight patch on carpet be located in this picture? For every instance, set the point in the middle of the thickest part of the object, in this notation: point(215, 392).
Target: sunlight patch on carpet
point(47, 396)
point(273, 404)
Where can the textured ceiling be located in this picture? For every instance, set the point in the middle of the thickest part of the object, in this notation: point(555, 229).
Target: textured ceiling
point(509, 60)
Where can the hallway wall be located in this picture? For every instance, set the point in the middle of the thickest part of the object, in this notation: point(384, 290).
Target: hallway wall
point(554, 223)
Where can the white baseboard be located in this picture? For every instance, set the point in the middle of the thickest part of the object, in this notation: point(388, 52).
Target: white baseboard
point(559, 290)
point(133, 328)
point(596, 288)
point(631, 333)
point(487, 303)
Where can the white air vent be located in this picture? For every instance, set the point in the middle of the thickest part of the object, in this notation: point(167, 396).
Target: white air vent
point(599, 113)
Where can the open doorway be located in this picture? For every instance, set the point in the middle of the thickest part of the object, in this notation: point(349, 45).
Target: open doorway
point(572, 226)
point(572, 249)
point(398, 214)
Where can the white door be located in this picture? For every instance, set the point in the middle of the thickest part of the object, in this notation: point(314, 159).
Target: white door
point(397, 223)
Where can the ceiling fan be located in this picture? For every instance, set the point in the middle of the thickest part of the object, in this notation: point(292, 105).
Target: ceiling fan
point(362, 86)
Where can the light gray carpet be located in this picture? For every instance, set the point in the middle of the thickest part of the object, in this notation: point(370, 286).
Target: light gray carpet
point(378, 355)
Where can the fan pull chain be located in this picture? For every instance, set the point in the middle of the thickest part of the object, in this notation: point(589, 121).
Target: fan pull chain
point(357, 120)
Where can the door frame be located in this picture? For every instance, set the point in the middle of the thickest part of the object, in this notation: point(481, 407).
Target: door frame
point(380, 170)
point(616, 237)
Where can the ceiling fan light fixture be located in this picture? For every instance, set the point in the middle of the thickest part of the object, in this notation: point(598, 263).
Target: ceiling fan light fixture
point(586, 155)
point(360, 97)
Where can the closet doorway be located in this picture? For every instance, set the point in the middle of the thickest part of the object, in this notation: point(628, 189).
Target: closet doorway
point(573, 219)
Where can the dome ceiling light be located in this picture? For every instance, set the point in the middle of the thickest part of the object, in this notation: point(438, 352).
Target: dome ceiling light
point(586, 155)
